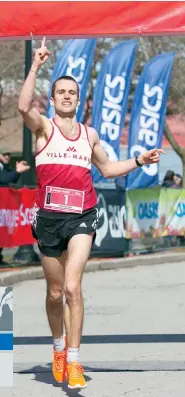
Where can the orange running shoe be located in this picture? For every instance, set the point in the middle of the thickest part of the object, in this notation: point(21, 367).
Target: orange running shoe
point(75, 376)
point(59, 366)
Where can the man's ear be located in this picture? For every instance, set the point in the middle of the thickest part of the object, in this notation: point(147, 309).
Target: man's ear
point(51, 101)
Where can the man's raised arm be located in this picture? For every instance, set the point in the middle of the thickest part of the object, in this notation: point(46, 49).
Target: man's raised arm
point(31, 115)
point(113, 169)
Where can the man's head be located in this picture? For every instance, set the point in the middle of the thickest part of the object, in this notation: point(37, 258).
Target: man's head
point(169, 175)
point(65, 96)
point(178, 179)
point(4, 156)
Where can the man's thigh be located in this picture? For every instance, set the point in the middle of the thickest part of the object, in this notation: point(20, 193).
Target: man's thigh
point(54, 269)
point(86, 223)
point(47, 233)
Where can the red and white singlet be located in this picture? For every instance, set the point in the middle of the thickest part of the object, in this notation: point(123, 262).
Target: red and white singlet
point(63, 173)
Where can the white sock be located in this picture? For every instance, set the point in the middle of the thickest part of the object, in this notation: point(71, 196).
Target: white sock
point(73, 354)
point(59, 344)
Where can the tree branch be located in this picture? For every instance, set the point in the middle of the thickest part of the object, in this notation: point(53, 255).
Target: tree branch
point(179, 150)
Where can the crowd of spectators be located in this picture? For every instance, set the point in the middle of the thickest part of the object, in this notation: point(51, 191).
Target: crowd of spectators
point(9, 176)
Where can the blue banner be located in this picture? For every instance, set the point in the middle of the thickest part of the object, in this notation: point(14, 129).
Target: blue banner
point(74, 60)
point(148, 116)
point(110, 100)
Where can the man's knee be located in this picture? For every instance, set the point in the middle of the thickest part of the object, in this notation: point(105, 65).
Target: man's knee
point(55, 294)
point(72, 290)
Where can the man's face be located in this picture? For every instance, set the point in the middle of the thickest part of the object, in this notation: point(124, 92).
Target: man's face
point(177, 180)
point(65, 97)
point(5, 158)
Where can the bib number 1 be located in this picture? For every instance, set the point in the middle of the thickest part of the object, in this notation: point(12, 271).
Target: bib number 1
point(64, 200)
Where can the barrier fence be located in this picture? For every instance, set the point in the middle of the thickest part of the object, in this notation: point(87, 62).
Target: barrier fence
point(149, 217)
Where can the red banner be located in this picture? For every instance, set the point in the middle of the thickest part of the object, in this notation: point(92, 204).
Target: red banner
point(17, 209)
point(70, 19)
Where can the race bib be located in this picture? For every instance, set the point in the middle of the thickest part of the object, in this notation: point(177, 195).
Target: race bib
point(65, 200)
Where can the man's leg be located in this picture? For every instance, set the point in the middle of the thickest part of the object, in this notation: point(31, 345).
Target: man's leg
point(54, 270)
point(79, 248)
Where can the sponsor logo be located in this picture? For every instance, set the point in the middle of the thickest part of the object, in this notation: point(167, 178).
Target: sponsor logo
point(6, 309)
point(111, 222)
point(147, 210)
point(69, 155)
point(149, 124)
point(83, 224)
point(76, 68)
point(112, 106)
point(71, 149)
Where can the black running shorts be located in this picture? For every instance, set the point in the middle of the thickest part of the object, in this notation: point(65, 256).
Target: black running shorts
point(54, 230)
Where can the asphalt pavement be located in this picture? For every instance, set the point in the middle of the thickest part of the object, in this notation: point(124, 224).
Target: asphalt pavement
point(133, 340)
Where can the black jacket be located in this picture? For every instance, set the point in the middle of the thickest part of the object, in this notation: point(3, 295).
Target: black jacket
point(7, 175)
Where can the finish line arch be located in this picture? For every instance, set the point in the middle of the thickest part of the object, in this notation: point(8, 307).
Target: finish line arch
point(73, 19)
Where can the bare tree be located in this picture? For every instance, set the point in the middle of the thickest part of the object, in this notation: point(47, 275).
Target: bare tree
point(11, 77)
point(1, 94)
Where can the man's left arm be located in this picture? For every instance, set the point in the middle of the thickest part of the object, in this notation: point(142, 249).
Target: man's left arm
point(114, 169)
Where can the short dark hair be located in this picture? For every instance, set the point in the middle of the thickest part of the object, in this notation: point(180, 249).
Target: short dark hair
point(64, 78)
point(169, 175)
point(179, 176)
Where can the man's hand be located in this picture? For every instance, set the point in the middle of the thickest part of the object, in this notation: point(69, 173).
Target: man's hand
point(150, 157)
point(22, 166)
point(41, 54)
point(1, 158)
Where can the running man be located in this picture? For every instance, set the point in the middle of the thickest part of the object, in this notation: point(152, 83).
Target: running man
point(67, 218)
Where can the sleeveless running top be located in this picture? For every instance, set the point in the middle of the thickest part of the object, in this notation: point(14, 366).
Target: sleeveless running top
point(65, 163)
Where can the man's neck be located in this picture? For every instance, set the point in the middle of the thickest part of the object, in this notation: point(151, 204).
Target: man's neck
point(68, 125)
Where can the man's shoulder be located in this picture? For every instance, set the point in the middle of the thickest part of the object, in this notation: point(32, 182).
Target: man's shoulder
point(92, 136)
point(90, 129)
point(92, 132)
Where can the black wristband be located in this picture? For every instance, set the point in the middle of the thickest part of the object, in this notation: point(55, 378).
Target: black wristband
point(137, 162)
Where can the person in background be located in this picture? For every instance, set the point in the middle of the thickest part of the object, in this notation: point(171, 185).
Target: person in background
point(168, 180)
point(177, 181)
point(8, 176)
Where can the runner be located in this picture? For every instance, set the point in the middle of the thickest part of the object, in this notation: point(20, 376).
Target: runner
point(66, 222)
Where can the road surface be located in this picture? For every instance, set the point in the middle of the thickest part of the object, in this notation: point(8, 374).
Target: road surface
point(133, 337)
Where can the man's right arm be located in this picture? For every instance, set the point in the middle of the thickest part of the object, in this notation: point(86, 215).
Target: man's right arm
point(31, 115)
point(32, 118)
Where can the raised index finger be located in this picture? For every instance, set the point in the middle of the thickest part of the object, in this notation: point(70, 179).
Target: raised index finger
point(43, 42)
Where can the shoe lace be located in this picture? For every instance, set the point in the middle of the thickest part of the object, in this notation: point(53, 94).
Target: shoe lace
point(77, 371)
point(59, 360)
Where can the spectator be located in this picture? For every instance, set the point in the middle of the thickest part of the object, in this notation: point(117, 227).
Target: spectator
point(168, 180)
point(8, 175)
point(177, 181)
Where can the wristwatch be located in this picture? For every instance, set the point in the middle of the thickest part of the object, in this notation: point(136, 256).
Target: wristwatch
point(137, 162)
